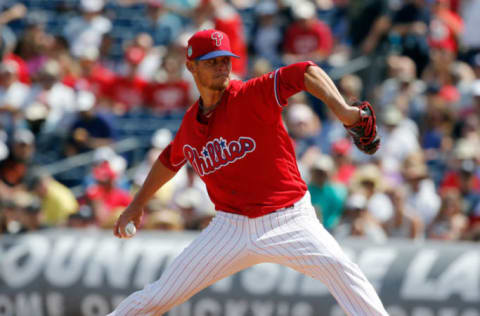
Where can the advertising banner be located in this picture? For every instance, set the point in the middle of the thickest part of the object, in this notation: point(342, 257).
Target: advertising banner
point(88, 272)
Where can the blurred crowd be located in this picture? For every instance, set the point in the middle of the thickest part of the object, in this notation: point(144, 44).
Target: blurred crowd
point(71, 69)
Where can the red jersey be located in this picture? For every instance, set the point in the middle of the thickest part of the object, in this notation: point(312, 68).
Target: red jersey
point(441, 34)
point(128, 91)
point(302, 40)
point(97, 81)
point(23, 74)
point(168, 96)
point(111, 199)
point(244, 154)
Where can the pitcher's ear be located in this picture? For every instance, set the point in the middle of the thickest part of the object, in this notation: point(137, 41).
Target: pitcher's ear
point(190, 65)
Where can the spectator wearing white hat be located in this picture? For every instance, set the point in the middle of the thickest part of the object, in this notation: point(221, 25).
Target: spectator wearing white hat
point(358, 222)
point(87, 31)
point(90, 130)
point(14, 168)
point(307, 38)
point(13, 95)
point(422, 195)
point(194, 206)
point(327, 197)
point(369, 180)
point(58, 99)
point(474, 108)
point(404, 223)
point(400, 139)
point(191, 198)
point(304, 127)
point(159, 141)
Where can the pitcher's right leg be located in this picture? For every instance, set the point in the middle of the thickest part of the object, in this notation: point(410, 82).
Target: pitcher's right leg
point(219, 251)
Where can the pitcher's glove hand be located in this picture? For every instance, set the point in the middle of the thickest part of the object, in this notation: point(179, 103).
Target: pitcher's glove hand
point(364, 132)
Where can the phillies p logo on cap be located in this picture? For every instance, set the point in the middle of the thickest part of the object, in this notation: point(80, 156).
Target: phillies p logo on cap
point(208, 44)
point(217, 37)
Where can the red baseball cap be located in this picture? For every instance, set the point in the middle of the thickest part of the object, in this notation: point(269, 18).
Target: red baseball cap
point(104, 172)
point(208, 44)
point(134, 55)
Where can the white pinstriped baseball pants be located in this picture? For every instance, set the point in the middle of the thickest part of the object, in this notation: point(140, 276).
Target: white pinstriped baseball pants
point(292, 237)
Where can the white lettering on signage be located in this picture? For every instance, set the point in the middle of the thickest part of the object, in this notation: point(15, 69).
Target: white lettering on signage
point(415, 284)
point(448, 312)
point(263, 308)
point(395, 310)
point(94, 305)
point(223, 286)
point(181, 310)
point(282, 308)
point(260, 279)
point(112, 263)
point(154, 255)
point(236, 307)
point(186, 309)
point(288, 282)
point(312, 287)
point(302, 309)
point(32, 250)
point(207, 307)
point(460, 278)
point(6, 306)
point(28, 305)
point(375, 262)
point(422, 311)
point(67, 260)
point(117, 299)
point(55, 304)
point(471, 312)
point(336, 311)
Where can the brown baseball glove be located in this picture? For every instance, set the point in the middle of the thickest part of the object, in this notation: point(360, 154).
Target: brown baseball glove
point(364, 132)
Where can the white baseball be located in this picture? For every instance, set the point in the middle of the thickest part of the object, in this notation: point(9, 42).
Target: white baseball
point(130, 229)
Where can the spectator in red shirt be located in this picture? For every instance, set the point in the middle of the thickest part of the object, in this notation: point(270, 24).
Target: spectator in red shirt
point(307, 38)
point(171, 95)
point(23, 74)
point(445, 27)
point(94, 77)
point(341, 153)
point(106, 198)
point(127, 92)
point(462, 175)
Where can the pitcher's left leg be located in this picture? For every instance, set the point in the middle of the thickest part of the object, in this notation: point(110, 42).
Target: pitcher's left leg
point(356, 294)
point(314, 252)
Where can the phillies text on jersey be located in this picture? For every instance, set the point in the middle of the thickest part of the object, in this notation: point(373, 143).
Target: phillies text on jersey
point(218, 153)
